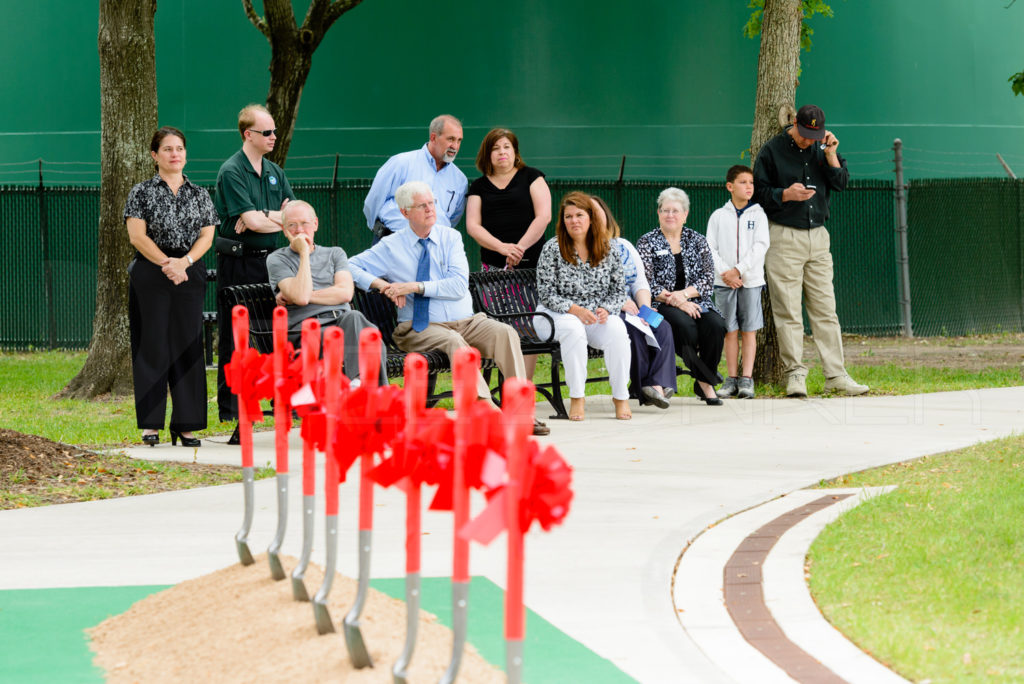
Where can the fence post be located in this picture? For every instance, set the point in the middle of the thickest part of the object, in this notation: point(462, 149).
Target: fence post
point(333, 195)
point(51, 315)
point(903, 258)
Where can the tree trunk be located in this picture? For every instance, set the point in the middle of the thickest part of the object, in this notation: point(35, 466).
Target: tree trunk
point(291, 57)
point(778, 65)
point(128, 118)
point(289, 68)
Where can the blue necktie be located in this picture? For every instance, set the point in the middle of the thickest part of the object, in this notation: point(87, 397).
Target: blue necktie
point(421, 304)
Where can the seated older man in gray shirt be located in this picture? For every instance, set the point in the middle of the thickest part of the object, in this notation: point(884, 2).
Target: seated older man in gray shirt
point(313, 281)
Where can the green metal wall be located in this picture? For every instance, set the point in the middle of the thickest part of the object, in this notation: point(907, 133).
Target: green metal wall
point(667, 83)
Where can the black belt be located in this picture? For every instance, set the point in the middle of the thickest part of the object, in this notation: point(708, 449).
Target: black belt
point(331, 314)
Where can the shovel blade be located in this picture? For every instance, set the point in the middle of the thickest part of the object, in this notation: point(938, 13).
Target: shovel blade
point(276, 569)
point(244, 554)
point(324, 624)
point(299, 592)
point(357, 653)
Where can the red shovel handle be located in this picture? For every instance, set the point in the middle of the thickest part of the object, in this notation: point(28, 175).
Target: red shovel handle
point(281, 403)
point(310, 354)
point(464, 373)
point(240, 326)
point(369, 357)
point(334, 346)
point(415, 402)
point(310, 349)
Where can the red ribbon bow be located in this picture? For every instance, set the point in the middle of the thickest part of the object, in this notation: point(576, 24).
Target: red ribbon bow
point(546, 495)
point(249, 374)
point(368, 422)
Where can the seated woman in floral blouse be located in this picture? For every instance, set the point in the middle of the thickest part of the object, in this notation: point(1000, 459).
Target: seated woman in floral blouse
point(681, 272)
point(581, 286)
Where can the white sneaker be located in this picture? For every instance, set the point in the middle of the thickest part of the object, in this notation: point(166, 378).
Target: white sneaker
point(844, 384)
point(796, 385)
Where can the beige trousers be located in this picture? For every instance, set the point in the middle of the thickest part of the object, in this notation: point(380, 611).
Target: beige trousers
point(494, 340)
point(798, 265)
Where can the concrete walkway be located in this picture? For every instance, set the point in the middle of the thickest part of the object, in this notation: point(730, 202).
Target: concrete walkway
point(644, 491)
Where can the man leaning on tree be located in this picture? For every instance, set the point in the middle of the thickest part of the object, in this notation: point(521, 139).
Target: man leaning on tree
point(794, 175)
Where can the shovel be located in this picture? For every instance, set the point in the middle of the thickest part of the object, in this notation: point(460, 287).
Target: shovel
point(310, 354)
point(518, 412)
point(369, 374)
point(333, 350)
point(466, 365)
point(415, 400)
point(282, 424)
point(240, 329)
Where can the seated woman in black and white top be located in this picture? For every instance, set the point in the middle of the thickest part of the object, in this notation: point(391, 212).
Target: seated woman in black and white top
point(681, 272)
point(581, 286)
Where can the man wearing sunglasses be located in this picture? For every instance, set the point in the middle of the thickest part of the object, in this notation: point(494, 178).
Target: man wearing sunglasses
point(432, 164)
point(251, 191)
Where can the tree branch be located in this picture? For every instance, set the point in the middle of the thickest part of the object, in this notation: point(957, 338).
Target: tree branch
point(255, 19)
point(337, 8)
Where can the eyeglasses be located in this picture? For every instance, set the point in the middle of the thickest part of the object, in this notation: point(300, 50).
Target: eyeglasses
point(422, 206)
point(669, 212)
point(267, 133)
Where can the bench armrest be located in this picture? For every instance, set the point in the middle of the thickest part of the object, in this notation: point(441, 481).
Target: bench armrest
point(528, 316)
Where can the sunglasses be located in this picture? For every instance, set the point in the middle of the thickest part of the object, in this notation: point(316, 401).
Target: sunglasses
point(267, 133)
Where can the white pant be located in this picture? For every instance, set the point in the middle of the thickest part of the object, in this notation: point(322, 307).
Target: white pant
point(574, 337)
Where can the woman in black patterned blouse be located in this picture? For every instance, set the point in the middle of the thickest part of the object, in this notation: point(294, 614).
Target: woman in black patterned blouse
point(170, 223)
point(681, 272)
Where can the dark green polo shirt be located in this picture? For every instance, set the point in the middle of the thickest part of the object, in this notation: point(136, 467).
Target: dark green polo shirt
point(240, 189)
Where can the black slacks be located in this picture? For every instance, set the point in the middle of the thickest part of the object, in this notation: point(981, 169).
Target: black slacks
point(699, 341)
point(166, 324)
point(232, 270)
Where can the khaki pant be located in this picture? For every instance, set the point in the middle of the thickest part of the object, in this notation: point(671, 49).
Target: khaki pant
point(494, 340)
point(799, 264)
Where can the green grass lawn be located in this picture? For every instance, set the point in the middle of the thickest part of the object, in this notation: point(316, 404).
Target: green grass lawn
point(32, 378)
point(929, 579)
point(27, 405)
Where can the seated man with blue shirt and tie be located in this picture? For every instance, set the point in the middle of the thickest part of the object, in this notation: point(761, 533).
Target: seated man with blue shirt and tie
point(432, 164)
point(424, 271)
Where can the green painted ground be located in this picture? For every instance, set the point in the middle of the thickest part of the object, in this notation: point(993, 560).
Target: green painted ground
point(41, 637)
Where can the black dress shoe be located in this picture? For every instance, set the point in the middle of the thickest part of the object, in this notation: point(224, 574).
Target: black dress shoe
point(151, 440)
point(235, 438)
point(185, 441)
point(699, 393)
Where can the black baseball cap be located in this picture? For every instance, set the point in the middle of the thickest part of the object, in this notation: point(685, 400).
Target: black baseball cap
point(810, 122)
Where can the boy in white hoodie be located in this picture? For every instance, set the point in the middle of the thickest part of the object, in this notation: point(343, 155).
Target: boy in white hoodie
point(738, 237)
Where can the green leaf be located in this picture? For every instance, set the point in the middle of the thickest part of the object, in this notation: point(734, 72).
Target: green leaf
point(1017, 83)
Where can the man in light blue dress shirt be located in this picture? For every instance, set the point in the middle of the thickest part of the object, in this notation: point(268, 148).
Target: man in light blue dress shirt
point(392, 267)
point(432, 164)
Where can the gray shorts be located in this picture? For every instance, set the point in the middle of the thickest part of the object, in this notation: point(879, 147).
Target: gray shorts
point(741, 308)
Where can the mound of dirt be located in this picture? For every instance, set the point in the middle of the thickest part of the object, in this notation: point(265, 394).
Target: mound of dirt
point(35, 471)
point(239, 625)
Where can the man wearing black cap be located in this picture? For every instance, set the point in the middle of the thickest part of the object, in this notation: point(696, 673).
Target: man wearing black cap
point(793, 176)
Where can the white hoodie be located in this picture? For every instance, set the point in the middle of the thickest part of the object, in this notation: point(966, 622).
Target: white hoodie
point(740, 242)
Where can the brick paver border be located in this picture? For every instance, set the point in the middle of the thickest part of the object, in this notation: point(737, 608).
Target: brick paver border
point(744, 597)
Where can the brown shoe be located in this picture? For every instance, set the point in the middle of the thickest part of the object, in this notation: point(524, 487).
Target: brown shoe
point(540, 429)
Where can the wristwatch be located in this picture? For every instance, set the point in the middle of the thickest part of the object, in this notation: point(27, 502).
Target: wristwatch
point(189, 260)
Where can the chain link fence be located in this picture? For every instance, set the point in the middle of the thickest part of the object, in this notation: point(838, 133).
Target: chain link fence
point(966, 252)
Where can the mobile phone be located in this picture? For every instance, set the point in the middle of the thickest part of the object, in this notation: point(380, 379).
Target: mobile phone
point(652, 317)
